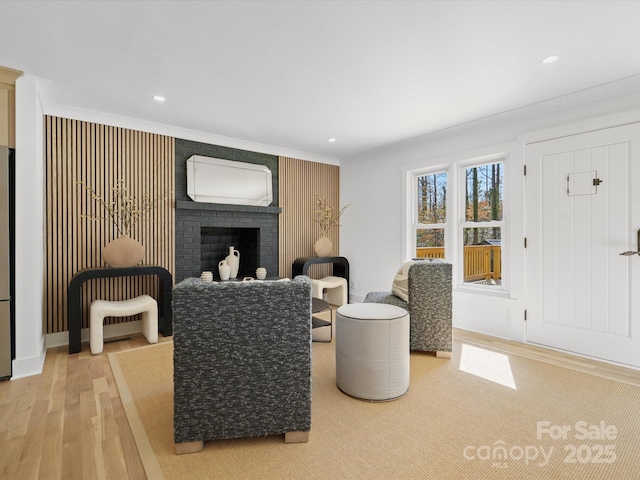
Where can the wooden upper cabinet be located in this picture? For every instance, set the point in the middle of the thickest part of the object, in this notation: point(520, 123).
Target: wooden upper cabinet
point(8, 78)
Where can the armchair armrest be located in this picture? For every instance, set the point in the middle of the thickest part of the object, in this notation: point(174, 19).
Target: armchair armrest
point(430, 306)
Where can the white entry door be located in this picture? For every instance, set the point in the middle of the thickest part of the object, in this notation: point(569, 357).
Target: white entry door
point(583, 210)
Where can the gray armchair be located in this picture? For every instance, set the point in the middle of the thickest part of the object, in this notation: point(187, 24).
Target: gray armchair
point(429, 306)
point(242, 360)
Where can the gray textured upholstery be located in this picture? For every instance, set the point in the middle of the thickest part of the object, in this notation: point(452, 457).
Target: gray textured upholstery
point(242, 358)
point(429, 306)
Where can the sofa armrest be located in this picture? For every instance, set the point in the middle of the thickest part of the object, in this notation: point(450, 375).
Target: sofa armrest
point(430, 305)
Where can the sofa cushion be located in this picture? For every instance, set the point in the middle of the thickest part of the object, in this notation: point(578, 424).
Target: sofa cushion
point(386, 297)
point(400, 286)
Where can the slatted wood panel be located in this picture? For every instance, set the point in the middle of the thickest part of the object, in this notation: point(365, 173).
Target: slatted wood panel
point(299, 181)
point(100, 155)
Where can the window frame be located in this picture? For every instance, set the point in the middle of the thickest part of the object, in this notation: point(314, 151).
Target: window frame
point(454, 166)
point(463, 223)
point(415, 223)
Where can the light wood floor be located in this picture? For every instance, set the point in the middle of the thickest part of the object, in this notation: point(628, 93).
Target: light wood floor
point(69, 423)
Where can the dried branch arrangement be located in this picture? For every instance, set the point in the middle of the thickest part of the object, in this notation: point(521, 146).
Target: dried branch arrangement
point(123, 209)
point(326, 215)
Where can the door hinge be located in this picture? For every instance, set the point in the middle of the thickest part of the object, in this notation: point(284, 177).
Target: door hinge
point(525, 170)
point(525, 242)
point(525, 315)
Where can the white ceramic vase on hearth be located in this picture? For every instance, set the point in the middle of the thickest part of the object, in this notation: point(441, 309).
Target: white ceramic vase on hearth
point(233, 260)
point(224, 270)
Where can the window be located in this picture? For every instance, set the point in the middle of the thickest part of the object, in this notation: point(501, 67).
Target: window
point(431, 218)
point(473, 238)
point(483, 223)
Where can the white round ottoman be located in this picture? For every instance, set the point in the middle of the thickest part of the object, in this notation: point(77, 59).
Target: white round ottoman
point(372, 351)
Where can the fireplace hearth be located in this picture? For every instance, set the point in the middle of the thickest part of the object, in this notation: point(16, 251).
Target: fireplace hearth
point(215, 243)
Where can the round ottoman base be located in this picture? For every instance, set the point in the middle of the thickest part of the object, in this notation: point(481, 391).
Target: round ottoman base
point(371, 399)
point(372, 351)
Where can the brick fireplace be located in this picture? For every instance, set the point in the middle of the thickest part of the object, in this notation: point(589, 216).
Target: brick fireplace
point(204, 231)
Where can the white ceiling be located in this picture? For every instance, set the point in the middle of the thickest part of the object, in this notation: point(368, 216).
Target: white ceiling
point(294, 73)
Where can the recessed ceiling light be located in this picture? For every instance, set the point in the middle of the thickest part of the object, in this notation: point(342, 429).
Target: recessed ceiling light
point(158, 98)
point(550, 59)
point(331, 140)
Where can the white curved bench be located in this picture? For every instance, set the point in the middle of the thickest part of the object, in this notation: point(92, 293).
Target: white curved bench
point(100, 309)
point(336, 289)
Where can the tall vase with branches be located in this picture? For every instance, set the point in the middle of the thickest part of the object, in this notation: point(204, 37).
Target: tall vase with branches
point(124, 210)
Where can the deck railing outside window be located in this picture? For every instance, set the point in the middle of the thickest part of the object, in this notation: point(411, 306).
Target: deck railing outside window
point(481, 262)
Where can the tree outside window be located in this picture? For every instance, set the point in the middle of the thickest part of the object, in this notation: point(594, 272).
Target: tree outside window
point(431, 215)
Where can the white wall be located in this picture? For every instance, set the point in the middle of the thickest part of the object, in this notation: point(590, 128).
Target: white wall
point(374, 235)
point(29, 201)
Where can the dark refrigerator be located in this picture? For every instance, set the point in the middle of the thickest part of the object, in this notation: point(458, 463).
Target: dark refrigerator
point(7, 344)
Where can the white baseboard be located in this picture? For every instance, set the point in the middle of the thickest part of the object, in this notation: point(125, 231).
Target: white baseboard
point(26, 367)
point(354, 298)
point(110, 331)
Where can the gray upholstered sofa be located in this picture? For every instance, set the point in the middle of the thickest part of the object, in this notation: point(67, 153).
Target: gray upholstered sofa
point(429, 306)
point(242, 360)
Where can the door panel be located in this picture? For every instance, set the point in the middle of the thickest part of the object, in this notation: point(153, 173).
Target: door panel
point(581, 214)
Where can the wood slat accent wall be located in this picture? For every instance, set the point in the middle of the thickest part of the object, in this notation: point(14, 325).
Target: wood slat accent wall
point(299, 181)
point(100, 155)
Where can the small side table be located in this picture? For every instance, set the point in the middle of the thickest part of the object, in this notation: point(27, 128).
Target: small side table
point(340, 267)
point(317, 306)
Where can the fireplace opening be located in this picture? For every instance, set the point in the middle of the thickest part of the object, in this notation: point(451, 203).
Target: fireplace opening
point(214, 247)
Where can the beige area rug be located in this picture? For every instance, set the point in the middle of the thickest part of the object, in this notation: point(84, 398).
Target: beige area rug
point(483, 414)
